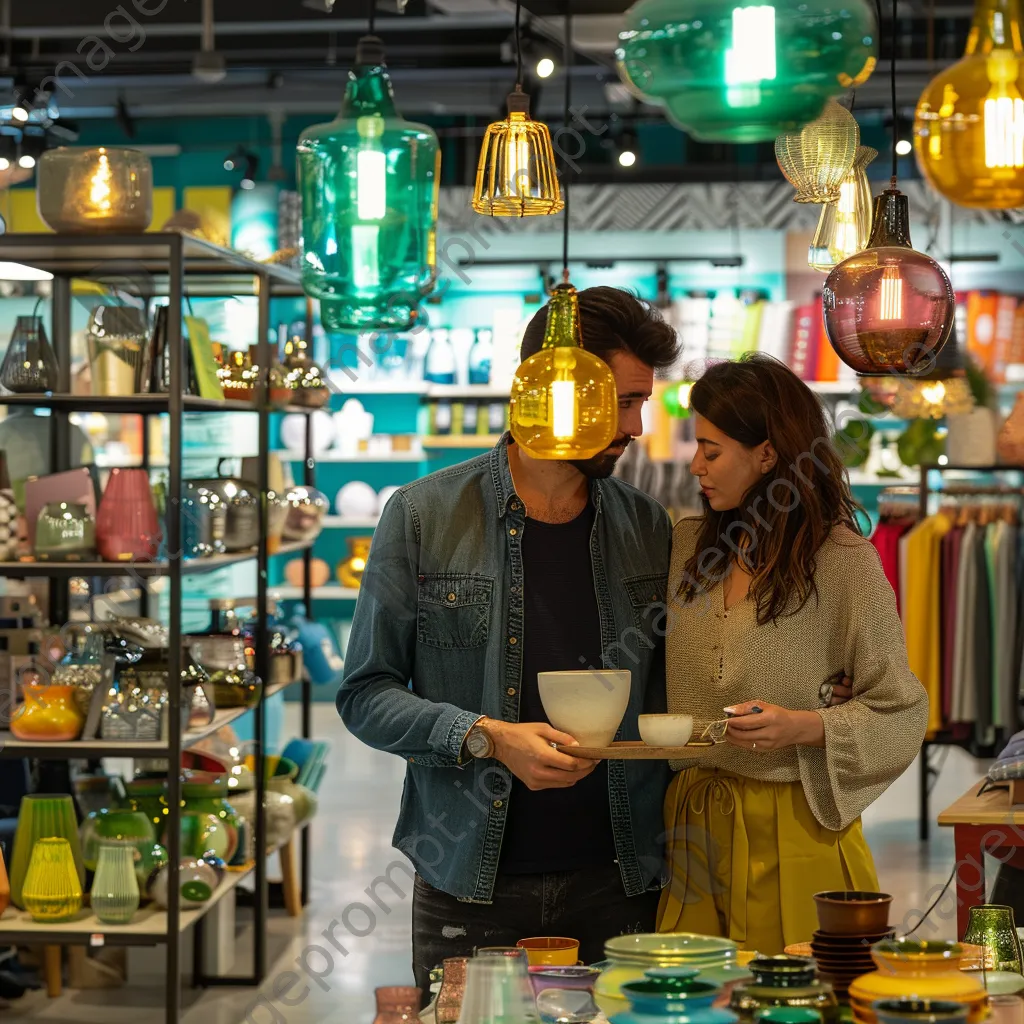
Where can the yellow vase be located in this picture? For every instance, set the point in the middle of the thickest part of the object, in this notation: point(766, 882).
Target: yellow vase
point(52, 891)
point(48, 714)
point(350, 571)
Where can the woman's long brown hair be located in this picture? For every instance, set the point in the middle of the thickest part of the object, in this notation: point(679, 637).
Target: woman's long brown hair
point(788, 514)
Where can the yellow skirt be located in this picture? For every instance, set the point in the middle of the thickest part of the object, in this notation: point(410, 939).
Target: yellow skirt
point(746, 857)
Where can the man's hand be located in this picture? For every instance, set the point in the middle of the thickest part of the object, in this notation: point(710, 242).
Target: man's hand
point(525, 749)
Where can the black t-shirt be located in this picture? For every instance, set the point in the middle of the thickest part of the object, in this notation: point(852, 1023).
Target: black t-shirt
point(558, 829)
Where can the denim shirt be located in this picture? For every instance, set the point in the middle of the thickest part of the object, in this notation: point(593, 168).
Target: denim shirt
point(436, 642)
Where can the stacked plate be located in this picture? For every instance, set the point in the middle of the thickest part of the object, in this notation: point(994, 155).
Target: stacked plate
point(842, 958)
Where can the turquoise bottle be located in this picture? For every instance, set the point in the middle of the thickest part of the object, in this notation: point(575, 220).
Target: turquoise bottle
point(369, 187)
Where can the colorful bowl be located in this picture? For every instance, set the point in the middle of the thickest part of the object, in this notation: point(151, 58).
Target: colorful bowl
point(919, 1011)
point(853, 911)
point(917, 957)
point(576, 978)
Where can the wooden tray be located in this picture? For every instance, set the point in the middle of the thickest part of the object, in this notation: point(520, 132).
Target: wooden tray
point(635, 750)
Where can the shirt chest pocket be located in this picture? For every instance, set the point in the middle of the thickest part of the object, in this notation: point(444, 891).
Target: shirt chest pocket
point(454, 610)
point(647, 602)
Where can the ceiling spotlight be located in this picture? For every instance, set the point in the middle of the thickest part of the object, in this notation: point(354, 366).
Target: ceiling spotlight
point(627, 158)
point(208, 65)
point(627, 149)
point(903, 147)
point(20, 112)
point(26, 162)
point(252, 164)
point(545, 67)
point(5, 164)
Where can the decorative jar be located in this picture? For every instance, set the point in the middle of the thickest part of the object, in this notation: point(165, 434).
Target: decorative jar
point(94, 190)
point(116, 339)
point(306, 510)
point(453, 988)
point(127, 528)
point(783, 982)
point(42, 815)
point(196, 881)
point(49, 714)
point(224, 660)
point(297, 379)
point(209, 822)
point(351, 569)
point(668, 1001)
point(238, 376)
point(53, 891)
point(81, 666)
point(65, 532)
point(30, 365)
point(117, 825)
point(993, 927)
point(115, 887)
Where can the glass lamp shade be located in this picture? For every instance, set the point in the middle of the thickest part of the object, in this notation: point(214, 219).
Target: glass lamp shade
point(115, 888)
point(890, 308)
point(817, 159)
point(90, 190)
point(30, 365)
point(369, 187)
point(516, 175)
point(116, 339)
point(993, 927)
point(52, 890)
point(564, 402)
point(844, 227)
point(969, 123)
point(676, 399)
point(729, 72)
point(42, 815)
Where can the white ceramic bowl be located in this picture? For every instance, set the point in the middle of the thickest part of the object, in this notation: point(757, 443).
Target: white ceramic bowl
point(588, 705)
point(666, 730)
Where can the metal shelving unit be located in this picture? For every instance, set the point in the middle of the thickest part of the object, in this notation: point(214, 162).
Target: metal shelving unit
point(161, 264)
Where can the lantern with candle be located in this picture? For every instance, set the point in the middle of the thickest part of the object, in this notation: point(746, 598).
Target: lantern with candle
point(92, 190)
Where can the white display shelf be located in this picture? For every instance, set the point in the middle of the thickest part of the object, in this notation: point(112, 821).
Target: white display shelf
point(355, 388)
point(480, 441)
point(871, 480)
point(467, 391)
point(331, 456)
point(329, 592)
point(834, 387)
point(350, 522)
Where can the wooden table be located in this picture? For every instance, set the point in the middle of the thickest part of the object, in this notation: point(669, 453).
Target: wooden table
point(986, 823)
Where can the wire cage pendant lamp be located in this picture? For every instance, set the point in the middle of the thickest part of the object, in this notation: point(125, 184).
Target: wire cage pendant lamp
point(564, 402)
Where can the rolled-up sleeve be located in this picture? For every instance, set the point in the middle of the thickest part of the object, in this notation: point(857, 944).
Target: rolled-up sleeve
point(376, 701)
point(874, 737)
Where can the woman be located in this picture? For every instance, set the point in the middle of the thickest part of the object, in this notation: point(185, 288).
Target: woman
point(776, 594)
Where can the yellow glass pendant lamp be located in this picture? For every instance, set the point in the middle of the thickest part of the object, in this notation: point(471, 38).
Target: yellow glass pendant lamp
point(844, 226)
point(516, 176)
point(969, 124)
point(564, 402)
point(816, 159)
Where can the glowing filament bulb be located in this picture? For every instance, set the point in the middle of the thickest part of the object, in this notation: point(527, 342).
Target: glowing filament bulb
point(365, 255)
point(100, 185)
point(371, 170)
point(933, 394)
point(751, 58)
point(563, 409)
point(517, 162)
point(1004, 132)
point(891, 295)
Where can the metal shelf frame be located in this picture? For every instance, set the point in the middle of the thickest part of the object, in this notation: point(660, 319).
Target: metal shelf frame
point(173, 265)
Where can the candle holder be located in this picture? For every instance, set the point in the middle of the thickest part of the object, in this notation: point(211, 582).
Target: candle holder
point(117, 340)
point(95, 190)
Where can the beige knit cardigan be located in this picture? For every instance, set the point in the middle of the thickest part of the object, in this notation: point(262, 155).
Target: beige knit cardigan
point(718, 658)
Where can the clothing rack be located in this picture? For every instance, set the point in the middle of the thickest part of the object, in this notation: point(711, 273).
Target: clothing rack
point(930, 771)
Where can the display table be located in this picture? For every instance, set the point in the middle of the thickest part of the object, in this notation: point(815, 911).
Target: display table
point(985, 823)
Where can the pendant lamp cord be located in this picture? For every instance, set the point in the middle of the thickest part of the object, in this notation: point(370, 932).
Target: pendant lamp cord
point(519, 47)
point(372, 16)
point(567, 56)
point(892, 81)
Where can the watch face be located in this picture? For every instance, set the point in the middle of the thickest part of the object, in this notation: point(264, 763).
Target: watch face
point(477, 743)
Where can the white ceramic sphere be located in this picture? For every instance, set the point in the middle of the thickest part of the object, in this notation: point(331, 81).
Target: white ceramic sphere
point(356, 500)
point(293, 432)
point(384, 496)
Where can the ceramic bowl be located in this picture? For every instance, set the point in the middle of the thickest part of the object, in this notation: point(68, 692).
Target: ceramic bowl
point(666, 730)
point(919, 1011)
point(911, 956)
point(578, 978)
point(679, 946)
point(852, 911)
point(782, 971)
point(588, 705)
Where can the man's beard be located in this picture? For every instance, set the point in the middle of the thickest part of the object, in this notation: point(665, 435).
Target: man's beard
point(602, 465)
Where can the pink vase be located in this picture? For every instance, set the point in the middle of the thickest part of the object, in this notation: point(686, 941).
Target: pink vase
point(127, 527)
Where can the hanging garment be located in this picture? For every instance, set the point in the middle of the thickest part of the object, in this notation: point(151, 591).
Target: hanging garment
point(886, 540)
point(922, 619)
point(982, 654)
point(951, 545)
point(964, 701)
point(1004, 606)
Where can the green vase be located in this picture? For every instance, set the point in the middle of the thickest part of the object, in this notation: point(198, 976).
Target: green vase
point(42, 816)
point(115, 887)
point(728, 72)
point(993, 927)
point(121, 826)
point(369, 185)
point(208, 821)
point(52, 891)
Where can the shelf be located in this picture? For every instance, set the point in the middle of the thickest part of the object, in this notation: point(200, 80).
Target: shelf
point(11, 747)
point(143, 405)
point(330, 592)
point(354, 388)
point(87, 255)
point(330, 456)
point(436, 391)
point(871, 480)
point(350, 522)
point(480, 441)
point(834, 387)
point(189, 567)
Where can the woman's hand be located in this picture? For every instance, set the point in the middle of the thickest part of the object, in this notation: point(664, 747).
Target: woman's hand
point(774, 728)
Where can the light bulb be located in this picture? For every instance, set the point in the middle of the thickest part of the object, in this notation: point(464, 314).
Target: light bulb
point(4, 163)
point(517, 161)
point(100, 184)
point(933, 393)
point(890, 295)
point(627, 158)
point(563, 409)
point(1003, 113)
point(844, 226)
point(19, 113)
point(751, 59)
point(545, 67)
point(903, 148)
point(26, 162)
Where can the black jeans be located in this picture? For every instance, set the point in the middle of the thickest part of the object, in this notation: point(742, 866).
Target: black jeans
point(588, 905)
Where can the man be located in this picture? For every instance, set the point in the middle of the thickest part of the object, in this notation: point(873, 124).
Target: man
point(481, 576)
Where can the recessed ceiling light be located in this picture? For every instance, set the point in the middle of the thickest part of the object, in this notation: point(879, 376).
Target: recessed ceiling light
point(21, 272)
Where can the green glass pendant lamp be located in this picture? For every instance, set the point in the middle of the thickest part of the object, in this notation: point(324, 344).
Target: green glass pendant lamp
point(729, 71)
point(369, 186)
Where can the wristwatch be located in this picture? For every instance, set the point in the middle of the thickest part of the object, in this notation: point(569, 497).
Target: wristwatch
point(479, 742)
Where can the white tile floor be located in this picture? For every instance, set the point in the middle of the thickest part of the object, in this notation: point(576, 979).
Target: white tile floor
point(352, 846)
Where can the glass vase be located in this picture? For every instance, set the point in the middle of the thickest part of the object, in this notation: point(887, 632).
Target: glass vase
point(81, 666)
point(49, 714)
point(52, 890)
point(498, 991)
point(42, 815)
point(115, 889)
point(29, 366)
point(238, 376)
point(127, 527)
point(397, 1004)
point(223, 659)
point(297, 379)
point(87, 190)
point(65, 532)
point(117, 338)
point(453, 989)
point(993, 927)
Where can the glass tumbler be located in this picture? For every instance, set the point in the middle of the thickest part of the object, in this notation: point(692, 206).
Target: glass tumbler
point(498, 991)
point(993, 927)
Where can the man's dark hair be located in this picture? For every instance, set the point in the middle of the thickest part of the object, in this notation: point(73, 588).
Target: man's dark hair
point(614, 320)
